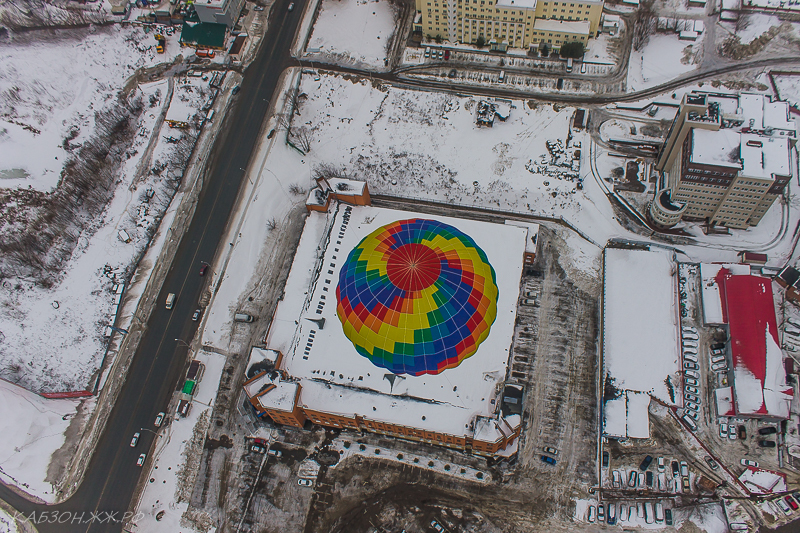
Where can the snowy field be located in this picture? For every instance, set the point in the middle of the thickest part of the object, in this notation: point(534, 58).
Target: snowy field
point(663, 58)
point(597, 49)
point(51, 85)
point(353, 33)
point(32, 428)
point(789, 88)
point(51, 339)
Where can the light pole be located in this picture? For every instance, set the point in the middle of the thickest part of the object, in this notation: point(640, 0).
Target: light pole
point(181, 341)
point(151, 431)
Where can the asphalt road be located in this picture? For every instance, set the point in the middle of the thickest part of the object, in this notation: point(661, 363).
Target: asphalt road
point(160, 361)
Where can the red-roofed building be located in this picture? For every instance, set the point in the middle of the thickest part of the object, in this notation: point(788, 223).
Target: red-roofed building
point(759, 378)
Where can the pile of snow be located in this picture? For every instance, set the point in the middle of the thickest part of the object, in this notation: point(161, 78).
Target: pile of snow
point(50, 89)
point(353, 33)
point(33, 429)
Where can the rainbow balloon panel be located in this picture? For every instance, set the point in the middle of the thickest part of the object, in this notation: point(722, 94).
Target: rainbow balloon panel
point(417, 297)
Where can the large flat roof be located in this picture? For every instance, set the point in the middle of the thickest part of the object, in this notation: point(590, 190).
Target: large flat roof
point(720, 148)
point(565, 26)
point(336, 378)
point(759, 383)
point(765, 157)
point(640, 331)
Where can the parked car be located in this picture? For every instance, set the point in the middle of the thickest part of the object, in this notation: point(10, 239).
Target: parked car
point(748, 462)
point(691, 419)
point(684, 469)
point(632, 478)
point(732, 432)
point(550, 450)
point(616, 479)
point(711, 463)
point(689, 344)
point(685, 485)
point(257, 448)
point(648, 478)
point(692, 398)
point(204, 268)
point(692, 414)
point(718, 346)
point(661, 464)
point(690, 357)
point(640, 480)
point(741, 432)
point(135, 440)
point(304, 482)
point(723, 430)
point(796, 496)
point(720, 367)
point(688, 335)
point(601, 513)
point(692, 390)
point(645, 464)
point(275, 453)
point(692, 374)
point(548, 460)
point(717, 353)
point(196, 314)
point(690, 365)
point(717, 359)
point(692, 406)
point(159, 419)
point(675, 469)
point(769, 430)
point(446, 55)
point(668, 517)
point(612, 514)
point(692, 351)
point(784, 506)
point(291, 6)
point(140, 461)
point(791, 502)
point(691, 382)
point(766, 443)
point(235, 91)
point(592, 514)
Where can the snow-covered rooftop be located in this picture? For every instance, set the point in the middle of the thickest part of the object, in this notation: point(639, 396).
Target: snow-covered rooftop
point(765, 157)
point(272, 392)
point(759, 384)
point(760, 481)
point(565, 26)
point(712, 303)
point(346, 186)
point(335, 378)
point(533, 234)
point(640, 327)
point(720, 148)
point(627, 416)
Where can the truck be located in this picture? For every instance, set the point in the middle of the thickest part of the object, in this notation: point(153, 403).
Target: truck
point(161, 43)
point(170, 300)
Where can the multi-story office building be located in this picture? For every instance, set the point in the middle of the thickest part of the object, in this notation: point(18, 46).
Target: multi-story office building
point(726, 159)
point(219, 11)
point(510, 23)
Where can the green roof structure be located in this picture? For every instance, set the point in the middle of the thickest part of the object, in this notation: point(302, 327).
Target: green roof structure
point(203, 34)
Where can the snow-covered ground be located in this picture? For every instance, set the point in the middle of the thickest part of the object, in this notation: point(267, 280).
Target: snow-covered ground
point(789, 88)
point(663, 58)
point(597, 49)
point(33, 428)
point(353, 33)
point(51, 86)
point(53, 339)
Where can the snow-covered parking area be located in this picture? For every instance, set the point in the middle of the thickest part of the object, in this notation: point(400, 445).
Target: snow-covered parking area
point(663, 58)
point(354, 33)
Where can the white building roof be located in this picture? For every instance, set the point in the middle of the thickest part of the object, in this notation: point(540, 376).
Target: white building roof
point(533, 234)
point(335, 378)
point(346, 186)
point(580, 27)
point(280, 396)
point(262, 355)
point(712, 302)
point(765, 157)
point(526, 4)
point(640, 327)
point(720, 148)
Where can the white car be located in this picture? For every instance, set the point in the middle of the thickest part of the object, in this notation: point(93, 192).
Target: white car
point(692, 390)
point(748, 462)
point(720, 367)
point(690, 336)
point(304, 482)
point(661, 464)
point(141, 459)
point(691, 374)
point(718, 359)
point(692, 406)
point(135, 440)
point(690, 329)
point(690, 357)
point(592, 511)
point(692, 398)
point(159, 419)
point(692, 414)
point(723, 430)
point(684, 469)
point(784, 506)
point(689, 344)
point(732, 432)
point(691, 382)
point(690, 350)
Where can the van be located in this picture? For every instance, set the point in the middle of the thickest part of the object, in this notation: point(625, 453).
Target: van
point(242, 317)
point(502, 77)
point(569, 64)
point(210, 115)
point(170, 300)
point(689, 422)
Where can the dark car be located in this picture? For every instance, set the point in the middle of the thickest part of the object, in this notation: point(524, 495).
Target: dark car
point(675, 469)
point(718, 346)
point(769, 430)
point(646, 462)
point(235, 90)
point(711, 462)
point(791, 502)
point(766, 443)
point(203, 270)
point(742, 432)
point(605, 459)
point(796, 496)
point(446, 54)
point(548, 460)
point(668, 516)
point(648, 478)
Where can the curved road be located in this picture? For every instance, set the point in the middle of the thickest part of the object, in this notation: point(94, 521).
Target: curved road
point(157, 367)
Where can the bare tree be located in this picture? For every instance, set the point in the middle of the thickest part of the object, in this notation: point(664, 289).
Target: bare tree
point(743, 22)
point(644, 25)
point(302, 138)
